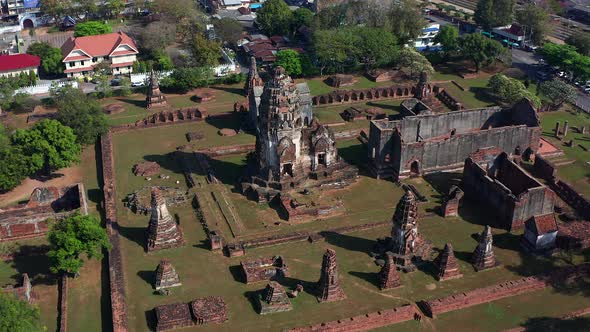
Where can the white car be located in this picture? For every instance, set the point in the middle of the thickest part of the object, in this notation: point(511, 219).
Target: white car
point(137, 84)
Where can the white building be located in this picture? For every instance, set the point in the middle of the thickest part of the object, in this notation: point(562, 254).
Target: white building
point(81, 54)
point(540, 233)
point(425, 41)
point(14, 65)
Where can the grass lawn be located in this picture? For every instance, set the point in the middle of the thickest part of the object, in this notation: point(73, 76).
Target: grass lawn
point(577, 173)
point(474, 95)
point(204, 273)
point(317, 86)
point(30, 258)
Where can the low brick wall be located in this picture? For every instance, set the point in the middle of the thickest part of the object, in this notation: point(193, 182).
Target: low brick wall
point(450, 101)
point(482, 295)
point(355, 96)
point(228, 150)
point(573, 198)
point(364, 322)
point(63, 304)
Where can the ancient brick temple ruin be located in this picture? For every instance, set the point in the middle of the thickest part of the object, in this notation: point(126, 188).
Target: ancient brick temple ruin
point(450, 206)
point(163, 232)
point(508, 190)
point(329, 284)
point(267, 268)
point(407, 246)
point(483, 257)
point(446, 264)
point(253, 81)
point(273, 299)
point(292, 151)
point(154, 97)
point(166, 276)
point(388, 276)
point(424, 143)
point(24, 292)
point(211, 309)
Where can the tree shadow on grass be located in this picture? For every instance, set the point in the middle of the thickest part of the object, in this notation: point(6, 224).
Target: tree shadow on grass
point(135, 234)
point(348, 242)
point(147, 276)
point(33, 261)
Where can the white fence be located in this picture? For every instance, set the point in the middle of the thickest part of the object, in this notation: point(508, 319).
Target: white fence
point(44, 88)
point(143, 77)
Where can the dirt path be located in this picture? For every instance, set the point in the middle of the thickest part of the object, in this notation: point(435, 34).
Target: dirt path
point(64, 176)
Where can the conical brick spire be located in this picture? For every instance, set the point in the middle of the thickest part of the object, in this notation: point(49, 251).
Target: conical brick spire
point(163, 232)
point(388, 277)
point(166, 275)
point(405, 226)
point(329, 283)
point(483, 256)
point(447, 264)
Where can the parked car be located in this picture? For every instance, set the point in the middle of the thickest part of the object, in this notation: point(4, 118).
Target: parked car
point(137, 84)
point(116, 81)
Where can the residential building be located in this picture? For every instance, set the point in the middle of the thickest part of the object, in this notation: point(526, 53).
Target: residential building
point(81, 54)
point(511, 35)
point(13, 65)
point(426, 40)
point(15, 7)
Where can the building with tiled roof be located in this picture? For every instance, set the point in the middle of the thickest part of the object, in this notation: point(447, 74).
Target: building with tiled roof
point(81, 54)
point(13, 65)
point(540, 232)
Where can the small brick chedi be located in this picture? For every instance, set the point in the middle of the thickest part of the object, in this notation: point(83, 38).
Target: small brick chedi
point(329, 284)
point(406, 244)
point(483, 256)
point(154, 97)
point(211, 309)
point(292, 151)
point(267, 268)
point(388, 276)
point(447, 264)
point(273, 299)
point(450, 206)
point(166, 276)
point(163, 232)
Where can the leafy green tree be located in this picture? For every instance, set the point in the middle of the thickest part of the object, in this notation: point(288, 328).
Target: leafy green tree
point(414, 62)
point(558, 92)
point(504, 12)
point(184, 79)
point(87, 8)
point(92, 28)
point(480, 49)
point(405, 20)
point(205, 52)
point(80, 112)
point(114, 7)
point(448, 38)
point(156, 36)
point(290, 60)
point(333, 48)
point(229, 30)
point(510, 90)
point(125, 88)
point(581, 41)
point(18, 316)
point(301, 16)
point(163, 61)
point(49, 144)
point(51, 64)
point(72, 238)
point(535, 21)
point(275, 18)
point(375, 46)
point(566, 58)
point(103, 87)
point(14, 167)
point(492, 13)
point(56, 8)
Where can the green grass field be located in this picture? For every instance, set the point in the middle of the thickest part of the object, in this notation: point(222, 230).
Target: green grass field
point(317, 86)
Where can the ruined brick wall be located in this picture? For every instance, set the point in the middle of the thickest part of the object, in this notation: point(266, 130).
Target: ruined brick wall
point(116, 278)
point(451, 102)
point(573, 198)
point(364, 322)
point(228, 150)
point(355, 96)
point(63, 304)
point(165, 118)
point(544, 169)
point(483, 295)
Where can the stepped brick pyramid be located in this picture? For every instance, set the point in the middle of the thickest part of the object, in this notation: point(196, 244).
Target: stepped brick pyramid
point(329, 284)
point(274, 299)
point(163, 232)
point(154, 97)
point(166, 275)
point(483, 256)
point(388, 277)
point(447, 264)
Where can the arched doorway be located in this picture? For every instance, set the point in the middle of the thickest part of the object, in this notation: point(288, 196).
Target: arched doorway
point(28, 24)
point(415, 168)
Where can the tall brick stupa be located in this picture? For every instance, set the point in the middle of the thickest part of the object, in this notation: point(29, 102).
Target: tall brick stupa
point(329, 284)
point(163, 232)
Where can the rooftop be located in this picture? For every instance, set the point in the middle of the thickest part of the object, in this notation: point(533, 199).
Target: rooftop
point(18, 61)
point(99, 45)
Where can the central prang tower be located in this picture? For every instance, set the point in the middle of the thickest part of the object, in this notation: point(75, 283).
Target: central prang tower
point(291, 147)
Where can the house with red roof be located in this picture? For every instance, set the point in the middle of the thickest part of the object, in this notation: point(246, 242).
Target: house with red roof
point(81, 54)
point(15, 64)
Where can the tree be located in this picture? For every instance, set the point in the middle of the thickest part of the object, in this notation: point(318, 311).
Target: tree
point(333, 48)
point(274, 18)
point(114, 7)
point(290, 60)
point(301, 16)
point(405, 20)
point(503, 12)
point(156, 36)
point(184, 14)
point(18, 316)
point(73, 237)
point(14, 167)
point(535, 21)
point(80, 112)
point(49, 144)
point(183, 79)
point(415, 62)
point(510, 90)
point(206, 53)
point(56, 8)
point(492, 13)
point(448, 38)
point(229, 30)
point(91, 28)
point(51, 58)
point(566, 58)
point(375, 46)
point(480, 49)
point(87, 8)
point(102, 68)
point(125, 88)
point(581, 41)
point(558, 92)
point(103, 87)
